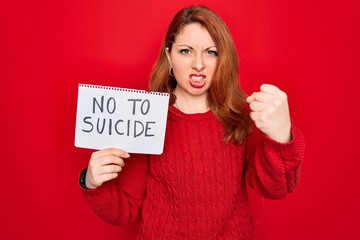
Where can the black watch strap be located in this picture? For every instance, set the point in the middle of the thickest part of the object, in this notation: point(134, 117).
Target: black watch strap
point(82, 179)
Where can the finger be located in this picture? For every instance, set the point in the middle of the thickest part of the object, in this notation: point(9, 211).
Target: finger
point(268, 88)
point(106, 160)
point(109, 169)
point(259, 119)
point(257, 106)
point(256, 117)
point(250, 98)
point(263, 97)
point(111, 151)
point(106, 177)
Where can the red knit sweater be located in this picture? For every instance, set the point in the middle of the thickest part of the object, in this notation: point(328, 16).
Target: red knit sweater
point(196, 188)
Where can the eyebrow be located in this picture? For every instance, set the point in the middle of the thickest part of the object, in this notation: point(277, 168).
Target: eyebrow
point(184, 45)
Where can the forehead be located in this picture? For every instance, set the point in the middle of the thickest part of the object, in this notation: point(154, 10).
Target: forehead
point(194, 34)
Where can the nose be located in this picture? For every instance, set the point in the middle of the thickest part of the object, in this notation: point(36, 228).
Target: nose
point(198, 62)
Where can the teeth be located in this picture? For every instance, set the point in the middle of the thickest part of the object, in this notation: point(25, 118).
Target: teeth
point(197, 78)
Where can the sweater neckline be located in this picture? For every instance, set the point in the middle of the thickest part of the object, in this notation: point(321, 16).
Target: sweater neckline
point(175, 113)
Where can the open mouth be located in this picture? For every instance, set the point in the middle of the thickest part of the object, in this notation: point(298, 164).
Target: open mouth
point(197, 80)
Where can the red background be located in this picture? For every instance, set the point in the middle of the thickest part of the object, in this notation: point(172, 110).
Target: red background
point(310, 49)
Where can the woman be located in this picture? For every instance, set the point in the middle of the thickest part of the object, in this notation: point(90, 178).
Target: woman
point(196, 189)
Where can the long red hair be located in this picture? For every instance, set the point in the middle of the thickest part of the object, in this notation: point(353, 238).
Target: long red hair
point(225, 97)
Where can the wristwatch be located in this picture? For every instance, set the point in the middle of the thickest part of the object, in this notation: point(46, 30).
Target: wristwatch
point(82, 179)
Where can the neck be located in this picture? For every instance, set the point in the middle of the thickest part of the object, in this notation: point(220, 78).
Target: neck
point(191, 104)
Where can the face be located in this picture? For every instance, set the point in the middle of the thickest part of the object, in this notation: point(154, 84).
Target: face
point(193, 58)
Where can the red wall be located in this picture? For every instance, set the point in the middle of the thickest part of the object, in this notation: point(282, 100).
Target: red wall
point(310, 49)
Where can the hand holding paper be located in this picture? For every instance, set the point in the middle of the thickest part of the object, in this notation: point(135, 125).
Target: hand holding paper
point(270, 112)
point(104, 165)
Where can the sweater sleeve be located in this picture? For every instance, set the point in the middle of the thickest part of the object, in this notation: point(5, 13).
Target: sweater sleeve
point(273, 168)
point(118, 201)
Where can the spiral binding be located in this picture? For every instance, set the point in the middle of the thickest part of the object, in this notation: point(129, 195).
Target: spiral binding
point(122, 89)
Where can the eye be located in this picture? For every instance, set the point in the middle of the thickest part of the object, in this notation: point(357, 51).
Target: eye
point(212, 53)
point(185, 51)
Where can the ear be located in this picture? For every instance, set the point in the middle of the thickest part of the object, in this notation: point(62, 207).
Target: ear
point(167, 51)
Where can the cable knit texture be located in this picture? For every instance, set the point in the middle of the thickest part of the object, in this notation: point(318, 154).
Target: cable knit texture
point(196, 188)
